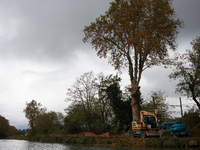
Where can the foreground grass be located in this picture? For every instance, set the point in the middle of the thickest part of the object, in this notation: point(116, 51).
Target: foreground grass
point(136, 142)
point(118, 141)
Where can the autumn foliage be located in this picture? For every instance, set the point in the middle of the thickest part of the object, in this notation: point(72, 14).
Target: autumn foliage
point(135, 34)
point(5, 128)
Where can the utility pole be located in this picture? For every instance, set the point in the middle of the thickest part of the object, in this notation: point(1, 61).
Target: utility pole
point(181, 109)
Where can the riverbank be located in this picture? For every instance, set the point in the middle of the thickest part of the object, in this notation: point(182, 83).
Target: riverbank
point(119, 141)
point(116, 141)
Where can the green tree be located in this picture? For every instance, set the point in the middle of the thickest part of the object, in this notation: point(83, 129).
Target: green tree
point(104, 110)
point(50, 122)
point(89, 96)
point(84, 92)
point(157, 100)
point(75, 121)
point(32, 112)
point(121, 108)
point(192, 120)
point(187, 70)
point(134, 34)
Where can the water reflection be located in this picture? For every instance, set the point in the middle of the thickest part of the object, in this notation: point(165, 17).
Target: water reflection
point(26, 145)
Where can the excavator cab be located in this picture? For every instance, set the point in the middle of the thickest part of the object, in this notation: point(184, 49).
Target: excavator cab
point(150, 122)
point(147, 125)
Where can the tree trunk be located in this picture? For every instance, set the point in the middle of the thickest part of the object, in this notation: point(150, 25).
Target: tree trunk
point(135, 101)
point(135, 109)
point(195, 100)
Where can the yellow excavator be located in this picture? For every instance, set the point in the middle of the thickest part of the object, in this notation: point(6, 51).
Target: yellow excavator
point(148, 125)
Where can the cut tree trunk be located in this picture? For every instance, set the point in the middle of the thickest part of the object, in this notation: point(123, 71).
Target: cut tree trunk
point(135, 101)
point(135, 109)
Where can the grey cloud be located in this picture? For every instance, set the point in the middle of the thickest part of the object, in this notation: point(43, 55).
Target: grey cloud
point(188, 11)
point(50, 30)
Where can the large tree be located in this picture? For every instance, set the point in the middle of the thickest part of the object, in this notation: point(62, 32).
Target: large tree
point(32, 111)
point(90, 109)
point(187, 70)
point(134, 34)
point(84, 92)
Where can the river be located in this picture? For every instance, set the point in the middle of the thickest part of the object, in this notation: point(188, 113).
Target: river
point(26, 145)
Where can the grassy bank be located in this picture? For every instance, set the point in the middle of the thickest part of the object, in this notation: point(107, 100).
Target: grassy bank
point(136, 142)
point(118, 141)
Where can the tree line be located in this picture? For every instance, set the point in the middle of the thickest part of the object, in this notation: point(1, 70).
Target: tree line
point(98, 105)
point(5, 128)
point(42, 121)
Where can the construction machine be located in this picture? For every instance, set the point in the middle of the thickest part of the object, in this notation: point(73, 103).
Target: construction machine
point(176, 128)
point(148, 125)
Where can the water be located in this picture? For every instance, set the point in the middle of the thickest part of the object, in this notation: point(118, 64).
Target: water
point(26, 145)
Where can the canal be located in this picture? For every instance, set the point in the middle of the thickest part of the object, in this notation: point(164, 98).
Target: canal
point(26, 145)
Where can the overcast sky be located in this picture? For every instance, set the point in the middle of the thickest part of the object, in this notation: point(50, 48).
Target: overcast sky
point(42, 53)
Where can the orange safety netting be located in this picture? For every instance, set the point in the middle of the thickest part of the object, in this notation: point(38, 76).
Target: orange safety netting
point(90, 134)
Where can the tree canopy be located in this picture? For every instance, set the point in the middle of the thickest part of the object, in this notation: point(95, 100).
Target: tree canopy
point(50, 122)
point(121, 108)
point(90, 109)
point(187, 71)
point(134, 34)
point(32, 112)
point(5, 128)
point(192, 119)
point(42, 121)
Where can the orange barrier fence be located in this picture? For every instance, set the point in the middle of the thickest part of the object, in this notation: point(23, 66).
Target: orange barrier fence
point(83, 134)
point(55, 135)
point(90, 134)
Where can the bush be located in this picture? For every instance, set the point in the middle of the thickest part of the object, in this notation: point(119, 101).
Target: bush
point(192, 120)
